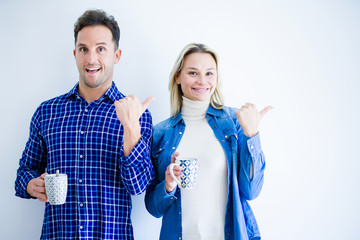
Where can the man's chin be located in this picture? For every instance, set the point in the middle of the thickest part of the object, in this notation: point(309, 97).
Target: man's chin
point(93, 84)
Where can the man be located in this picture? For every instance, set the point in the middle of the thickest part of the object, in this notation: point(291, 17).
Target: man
point(94, 134)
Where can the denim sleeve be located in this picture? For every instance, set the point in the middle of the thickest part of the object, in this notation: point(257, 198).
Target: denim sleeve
point(33, 161)
point(136, 169)
point(157, 200)
point(251, 166)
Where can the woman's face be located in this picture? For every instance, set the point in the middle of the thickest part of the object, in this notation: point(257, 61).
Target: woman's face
point(198, 76)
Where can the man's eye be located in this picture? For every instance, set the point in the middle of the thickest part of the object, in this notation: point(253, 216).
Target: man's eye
point(101, 49)
point(82, 49)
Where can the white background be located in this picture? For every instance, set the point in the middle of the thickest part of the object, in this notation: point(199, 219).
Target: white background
point(302, 57)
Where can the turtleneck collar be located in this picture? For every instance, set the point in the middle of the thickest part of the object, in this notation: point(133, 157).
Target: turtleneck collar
point(194, 110)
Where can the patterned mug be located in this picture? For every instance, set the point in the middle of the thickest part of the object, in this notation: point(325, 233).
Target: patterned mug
point(189, 171)
point(56, 188)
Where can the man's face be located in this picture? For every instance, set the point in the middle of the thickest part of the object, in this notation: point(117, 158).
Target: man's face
point(95, 56)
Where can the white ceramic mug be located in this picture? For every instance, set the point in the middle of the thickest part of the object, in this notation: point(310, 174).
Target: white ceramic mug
point(189, 170)
point(56, 188)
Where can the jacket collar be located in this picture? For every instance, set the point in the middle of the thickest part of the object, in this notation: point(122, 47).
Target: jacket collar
point(214, 112)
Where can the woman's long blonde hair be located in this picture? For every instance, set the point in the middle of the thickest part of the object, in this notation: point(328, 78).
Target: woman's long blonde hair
point(216, 99)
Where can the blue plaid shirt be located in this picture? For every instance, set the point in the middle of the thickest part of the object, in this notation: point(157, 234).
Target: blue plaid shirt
point(85, 141)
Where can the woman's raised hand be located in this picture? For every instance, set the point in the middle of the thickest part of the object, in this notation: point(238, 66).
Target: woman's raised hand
point(249, 118)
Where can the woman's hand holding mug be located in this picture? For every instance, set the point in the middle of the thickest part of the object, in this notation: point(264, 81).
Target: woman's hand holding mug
point(170, 183)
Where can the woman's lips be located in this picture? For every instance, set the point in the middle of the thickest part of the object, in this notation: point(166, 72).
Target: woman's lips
point(201, 90)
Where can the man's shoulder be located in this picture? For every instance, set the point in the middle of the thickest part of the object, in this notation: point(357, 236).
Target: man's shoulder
point(55, 100)
point(49, 106)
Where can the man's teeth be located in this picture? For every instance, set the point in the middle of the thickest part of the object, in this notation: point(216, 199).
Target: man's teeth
point(92, 69)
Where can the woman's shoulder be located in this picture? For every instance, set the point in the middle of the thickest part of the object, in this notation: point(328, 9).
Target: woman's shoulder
point(161, 127)
point(229, 112)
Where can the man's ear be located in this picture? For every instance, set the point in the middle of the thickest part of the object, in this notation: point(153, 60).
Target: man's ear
point(74, 53)
point(117, 56)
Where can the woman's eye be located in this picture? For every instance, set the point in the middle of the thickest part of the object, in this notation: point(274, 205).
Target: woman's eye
point(193, 73)
point(209, 74)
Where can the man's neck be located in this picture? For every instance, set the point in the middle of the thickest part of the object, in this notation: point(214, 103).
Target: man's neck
point(92, 94)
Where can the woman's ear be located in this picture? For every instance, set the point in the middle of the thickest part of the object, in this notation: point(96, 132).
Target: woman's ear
point(177, 79)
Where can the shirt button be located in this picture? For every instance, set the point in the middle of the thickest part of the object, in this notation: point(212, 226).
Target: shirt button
point(82, 132)
point(81, 156)
point(226, 136)
point(180, 132)
point(223, 140)
point(86, 110)
point(81, 227)
point(173, 148)
point(179, 213)
point(228, 234)
point(172, 198)
point(252, 147)
point(80, 180)
point(81, 205)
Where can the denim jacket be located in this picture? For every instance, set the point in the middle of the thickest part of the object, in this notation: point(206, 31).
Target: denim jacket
point(246, 164)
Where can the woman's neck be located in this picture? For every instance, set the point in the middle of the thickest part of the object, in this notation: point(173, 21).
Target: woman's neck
point(193, 110)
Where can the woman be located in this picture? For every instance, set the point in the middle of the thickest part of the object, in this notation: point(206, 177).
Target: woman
point(225, 142)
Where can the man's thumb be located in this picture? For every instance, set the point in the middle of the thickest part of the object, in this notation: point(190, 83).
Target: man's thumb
point(146, 103)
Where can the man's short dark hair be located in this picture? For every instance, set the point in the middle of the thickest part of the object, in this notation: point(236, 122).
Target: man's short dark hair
point(98, 17)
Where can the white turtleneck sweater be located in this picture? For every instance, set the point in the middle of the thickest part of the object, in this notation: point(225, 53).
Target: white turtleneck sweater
point(203, 206)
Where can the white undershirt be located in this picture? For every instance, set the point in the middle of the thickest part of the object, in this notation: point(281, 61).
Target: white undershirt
point(204, 206)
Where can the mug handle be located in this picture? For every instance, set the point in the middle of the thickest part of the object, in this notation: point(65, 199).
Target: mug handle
point(171, 170)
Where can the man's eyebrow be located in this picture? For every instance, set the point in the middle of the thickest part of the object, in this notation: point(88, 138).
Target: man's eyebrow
point(84, 45)
point(80, 45)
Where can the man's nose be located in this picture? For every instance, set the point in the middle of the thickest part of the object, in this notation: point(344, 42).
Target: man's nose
point(91, 57)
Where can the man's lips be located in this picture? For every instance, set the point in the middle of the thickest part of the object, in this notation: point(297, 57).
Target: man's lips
point(93, 69)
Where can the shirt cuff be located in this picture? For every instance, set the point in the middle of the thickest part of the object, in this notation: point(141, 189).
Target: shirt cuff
point(165, 194)
point(135, 154)
point(253, 144)
point(25, 179)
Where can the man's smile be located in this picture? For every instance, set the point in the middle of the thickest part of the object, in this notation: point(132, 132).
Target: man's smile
point(93, 69)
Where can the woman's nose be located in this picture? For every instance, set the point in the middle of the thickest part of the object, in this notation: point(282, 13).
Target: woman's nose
point(200, 78)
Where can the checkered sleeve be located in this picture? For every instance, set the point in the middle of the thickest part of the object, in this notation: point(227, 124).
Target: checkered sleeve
point(33, 160)
point(136, 169)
